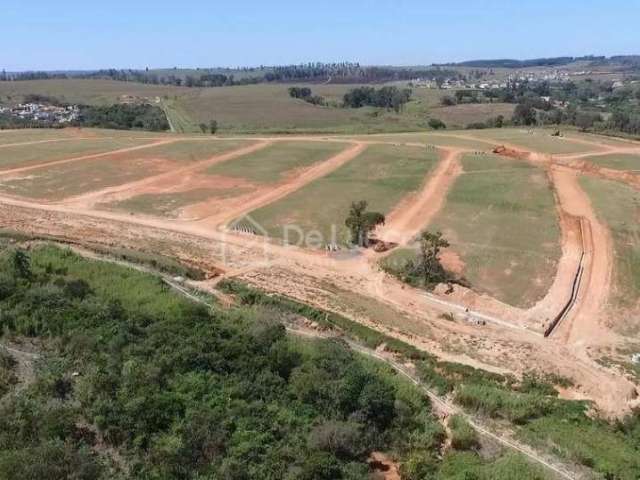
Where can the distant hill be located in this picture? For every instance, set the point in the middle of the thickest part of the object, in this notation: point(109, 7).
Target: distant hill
point(536, 62)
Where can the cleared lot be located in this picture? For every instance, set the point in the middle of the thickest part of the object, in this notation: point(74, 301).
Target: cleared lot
point(501, 221)
point(382, 175)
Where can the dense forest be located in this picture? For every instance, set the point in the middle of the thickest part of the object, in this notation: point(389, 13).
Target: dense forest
point(135, 382)
point(124, 117)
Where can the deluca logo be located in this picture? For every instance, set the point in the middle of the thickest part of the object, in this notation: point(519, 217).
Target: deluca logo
point(260, 254)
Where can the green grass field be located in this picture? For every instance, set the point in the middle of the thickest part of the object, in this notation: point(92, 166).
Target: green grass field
point(500, 218)
point(27, 155)
point(618, 206)
point(273, 163)
point(382, 175)
point(617, 161)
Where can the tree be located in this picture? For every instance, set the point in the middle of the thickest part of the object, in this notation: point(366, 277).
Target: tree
point(361, 223)
point(524, 114)
point(203, 127)
point(21, 264)
point(213, 127)
point(437, 124)
point(427, 266)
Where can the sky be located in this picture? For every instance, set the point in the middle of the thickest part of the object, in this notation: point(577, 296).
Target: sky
point(84, 35)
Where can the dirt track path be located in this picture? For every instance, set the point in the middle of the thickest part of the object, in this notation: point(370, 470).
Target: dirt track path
point(166, 179)
point(584, 323)
point(88, 157)
point(417, 211)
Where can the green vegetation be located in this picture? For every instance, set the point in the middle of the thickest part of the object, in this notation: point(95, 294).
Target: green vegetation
point(617, 206)
point(463, 436)
point(361, 223)
point(273, 163)
point(167, 389)
point(423, 269)
point(382, 175)
point(465, 465)
point(124, 117)
point(500, 217)
point(530, 407)
point(391, 98)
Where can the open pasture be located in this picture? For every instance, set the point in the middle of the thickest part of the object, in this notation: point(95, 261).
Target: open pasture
point(501, 220)
point(56, 182)
point(382, 175)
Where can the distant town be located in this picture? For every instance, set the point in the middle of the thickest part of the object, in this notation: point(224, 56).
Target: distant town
point(43, 113)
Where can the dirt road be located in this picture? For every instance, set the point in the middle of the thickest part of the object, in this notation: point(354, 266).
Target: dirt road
point(417, 211)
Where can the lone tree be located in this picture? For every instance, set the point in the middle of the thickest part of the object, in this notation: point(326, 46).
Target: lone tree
point(213, 127)
point(428, 265)
point(360, 223)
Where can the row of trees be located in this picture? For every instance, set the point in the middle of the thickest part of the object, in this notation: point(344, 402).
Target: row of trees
point(385, 97)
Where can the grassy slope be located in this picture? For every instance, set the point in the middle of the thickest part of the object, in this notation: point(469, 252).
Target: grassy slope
point(618, 206)
point(500, 217)
point(271, 164)
point(251, 108)
point(382, 175)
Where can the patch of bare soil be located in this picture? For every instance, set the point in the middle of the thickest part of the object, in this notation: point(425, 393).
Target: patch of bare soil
point(383, 467)
point(157, 183)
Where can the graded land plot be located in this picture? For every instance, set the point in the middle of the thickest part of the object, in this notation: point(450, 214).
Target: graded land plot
point(617, 161)
point(273, 163)
point(56, 182)
point(40, 153)
point(618, 207)
point(501, 221)
point(233, 179)
point(382, 175)
point(455, 140)
point(26, 135)
point(538, 140)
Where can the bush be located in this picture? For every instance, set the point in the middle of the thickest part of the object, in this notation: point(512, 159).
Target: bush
point(437, 124)
point(463, 436)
